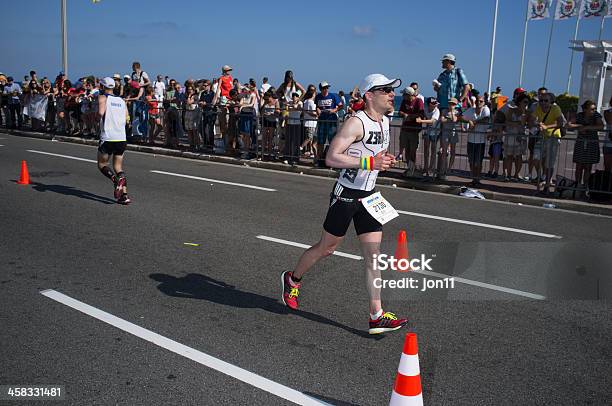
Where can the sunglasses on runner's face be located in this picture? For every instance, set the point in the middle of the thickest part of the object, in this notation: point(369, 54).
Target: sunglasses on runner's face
point(386, 89)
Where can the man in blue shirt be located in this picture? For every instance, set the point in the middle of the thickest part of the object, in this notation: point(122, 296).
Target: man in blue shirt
point(451, 83)
point(13, 90)
point(328, 105)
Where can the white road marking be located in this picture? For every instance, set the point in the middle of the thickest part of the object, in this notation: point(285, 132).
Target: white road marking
point(429, 273)
point(62, 156)
point(484, 285)
point(215, 181)
point(1, 145)
point(297, 244)
point(330, 180)
point(207, 360)
point(473, 223)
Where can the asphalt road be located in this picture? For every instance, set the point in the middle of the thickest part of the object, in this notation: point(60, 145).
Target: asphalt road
point(528, 321)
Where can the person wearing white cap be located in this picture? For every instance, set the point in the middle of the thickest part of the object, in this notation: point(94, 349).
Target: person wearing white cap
point(452, 82)
point(113, 117)
point(328, 105)
point(118, 90)
point(360, 150)
point(126, 86)
point(411, 109)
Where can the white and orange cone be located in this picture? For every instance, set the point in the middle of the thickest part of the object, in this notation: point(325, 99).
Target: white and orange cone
point(407, 388)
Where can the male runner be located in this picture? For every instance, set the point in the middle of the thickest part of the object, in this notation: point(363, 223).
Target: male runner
point(113, 116)
point(360, 150)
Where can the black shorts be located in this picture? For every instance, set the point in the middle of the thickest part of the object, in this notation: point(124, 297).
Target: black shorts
point(112, 147)
point(344, 206)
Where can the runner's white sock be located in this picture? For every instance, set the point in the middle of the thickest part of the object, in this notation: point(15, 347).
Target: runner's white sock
point(377, 315)
point(293, 283)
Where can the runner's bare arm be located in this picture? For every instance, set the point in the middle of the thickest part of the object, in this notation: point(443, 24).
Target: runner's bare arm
point(101, 105)
point(351, 131)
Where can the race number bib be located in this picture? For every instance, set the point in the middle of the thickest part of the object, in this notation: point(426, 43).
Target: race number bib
point(379, 208)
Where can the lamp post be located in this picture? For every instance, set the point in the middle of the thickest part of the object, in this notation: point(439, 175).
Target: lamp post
point(64, 39)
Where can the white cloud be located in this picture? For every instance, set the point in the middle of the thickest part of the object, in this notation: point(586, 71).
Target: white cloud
point(363, 30)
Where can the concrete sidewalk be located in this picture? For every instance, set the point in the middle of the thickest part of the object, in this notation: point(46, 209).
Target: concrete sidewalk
point(520, 193)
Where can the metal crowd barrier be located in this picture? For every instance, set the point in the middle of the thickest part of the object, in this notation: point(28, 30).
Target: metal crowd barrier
point(250, 136)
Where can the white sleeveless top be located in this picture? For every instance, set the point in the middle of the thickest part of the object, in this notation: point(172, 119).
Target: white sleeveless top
point(112, 124)
point(375, 139)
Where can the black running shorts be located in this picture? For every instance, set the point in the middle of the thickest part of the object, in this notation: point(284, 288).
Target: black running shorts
point(112, 147)
point(344, 206)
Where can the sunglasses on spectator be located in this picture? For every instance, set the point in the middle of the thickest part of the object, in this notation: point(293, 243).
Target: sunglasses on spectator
point(544, 101)
point(386, 89)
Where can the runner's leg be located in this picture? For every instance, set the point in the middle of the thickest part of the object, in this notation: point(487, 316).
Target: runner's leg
point(118, 167)
point(325, 247)
point(103, 160)
point(370, 246)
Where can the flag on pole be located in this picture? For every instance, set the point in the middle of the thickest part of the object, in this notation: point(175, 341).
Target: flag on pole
point(593, 8)
point(539, 9)
point(566, 9)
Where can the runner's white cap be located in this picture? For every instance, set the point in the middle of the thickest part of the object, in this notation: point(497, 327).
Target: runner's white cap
point(378, 80)
point(448, 57)
point(108, 83)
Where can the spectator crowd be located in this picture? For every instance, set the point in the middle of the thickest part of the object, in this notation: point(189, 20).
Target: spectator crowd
point(521, 136)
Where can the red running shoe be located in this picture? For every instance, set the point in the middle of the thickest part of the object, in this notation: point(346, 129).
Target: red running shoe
point(290, 292)
point(119, 187)
point(124, 199)
point(386, 322)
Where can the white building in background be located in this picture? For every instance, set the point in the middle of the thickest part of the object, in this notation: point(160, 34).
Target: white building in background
point(596, 76)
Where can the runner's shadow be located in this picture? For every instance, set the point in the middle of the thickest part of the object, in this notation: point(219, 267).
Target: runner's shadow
point(198, 286)
point(71, 191)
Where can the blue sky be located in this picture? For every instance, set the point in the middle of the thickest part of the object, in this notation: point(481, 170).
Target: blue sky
point(339, 42)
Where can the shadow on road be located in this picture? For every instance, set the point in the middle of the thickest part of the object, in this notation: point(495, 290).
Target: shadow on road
point(198, 286)
point(71, 191)
point(331, 401)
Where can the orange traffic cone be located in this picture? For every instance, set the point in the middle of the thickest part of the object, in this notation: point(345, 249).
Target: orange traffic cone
point(401, 252)
point(24, 179)
point(407, 388)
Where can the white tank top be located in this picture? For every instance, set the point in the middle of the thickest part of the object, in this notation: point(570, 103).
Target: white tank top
point(375, 139)
point(112, 123)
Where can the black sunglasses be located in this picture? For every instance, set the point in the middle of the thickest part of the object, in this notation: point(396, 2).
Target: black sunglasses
point(386, 89)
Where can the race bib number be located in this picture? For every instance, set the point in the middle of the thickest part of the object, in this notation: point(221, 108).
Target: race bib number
point(379, 208)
